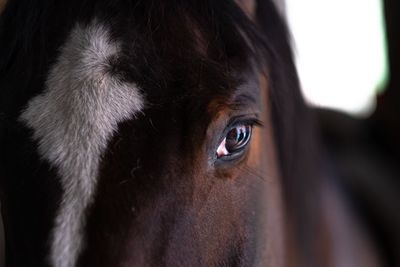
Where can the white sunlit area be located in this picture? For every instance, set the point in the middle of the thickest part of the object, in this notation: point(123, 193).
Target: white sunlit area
point(341, 53)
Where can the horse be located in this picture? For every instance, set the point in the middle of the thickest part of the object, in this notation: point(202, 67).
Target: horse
point(161, 133)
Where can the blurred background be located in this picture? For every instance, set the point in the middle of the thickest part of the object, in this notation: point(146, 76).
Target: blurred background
point(347, 55)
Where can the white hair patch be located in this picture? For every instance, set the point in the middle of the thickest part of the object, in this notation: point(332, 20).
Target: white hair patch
point(72, 121)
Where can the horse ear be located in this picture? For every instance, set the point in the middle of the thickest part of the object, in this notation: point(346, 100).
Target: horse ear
point(248, 7)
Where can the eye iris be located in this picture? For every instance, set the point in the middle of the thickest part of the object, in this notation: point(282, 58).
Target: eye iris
point(237, 138)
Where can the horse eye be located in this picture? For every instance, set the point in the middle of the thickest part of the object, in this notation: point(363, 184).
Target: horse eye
point(235, 141)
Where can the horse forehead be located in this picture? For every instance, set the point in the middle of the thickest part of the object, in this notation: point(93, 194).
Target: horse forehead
point(73, 119)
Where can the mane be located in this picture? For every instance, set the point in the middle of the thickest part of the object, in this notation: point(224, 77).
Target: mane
point(31, 34)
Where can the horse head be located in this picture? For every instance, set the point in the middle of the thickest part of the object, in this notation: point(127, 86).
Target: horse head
point(147, 133)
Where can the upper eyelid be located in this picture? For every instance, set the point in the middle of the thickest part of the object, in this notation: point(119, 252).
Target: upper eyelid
point(244, 120)
point(243, 100)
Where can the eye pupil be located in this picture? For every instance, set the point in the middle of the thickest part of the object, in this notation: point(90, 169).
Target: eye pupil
point(235, 140)
point(236, 137)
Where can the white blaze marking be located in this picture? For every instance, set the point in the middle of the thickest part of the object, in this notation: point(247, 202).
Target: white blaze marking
point(72, 120)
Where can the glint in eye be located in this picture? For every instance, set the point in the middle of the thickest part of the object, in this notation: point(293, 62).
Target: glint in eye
point(235, 141)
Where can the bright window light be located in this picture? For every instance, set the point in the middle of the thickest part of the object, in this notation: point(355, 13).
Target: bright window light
point(340, 52)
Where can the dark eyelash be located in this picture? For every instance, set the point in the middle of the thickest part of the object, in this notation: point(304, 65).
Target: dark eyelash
point(236, 121)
